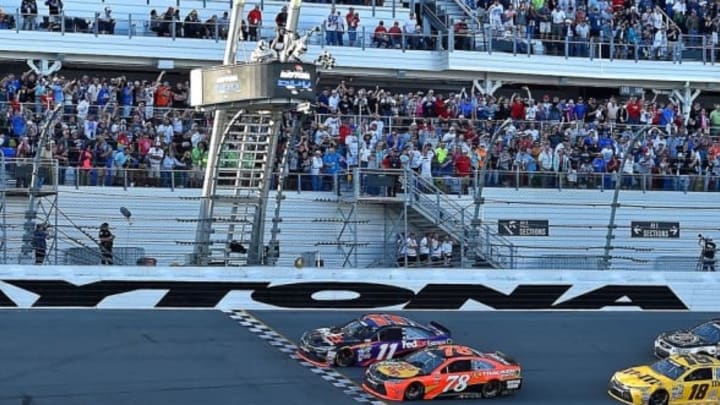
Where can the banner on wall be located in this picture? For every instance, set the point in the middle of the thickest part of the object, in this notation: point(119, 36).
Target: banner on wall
point(456, 291)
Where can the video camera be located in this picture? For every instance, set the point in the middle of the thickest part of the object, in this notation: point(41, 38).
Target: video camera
point(706, 243)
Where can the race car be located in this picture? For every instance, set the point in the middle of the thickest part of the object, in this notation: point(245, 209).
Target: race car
point(447, 371)
point(679, 379)
point(368, 339)
point(703, 338)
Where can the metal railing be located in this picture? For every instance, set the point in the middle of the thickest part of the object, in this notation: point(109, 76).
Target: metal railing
point(488, 39)
point(341, 182)
point(482, 245)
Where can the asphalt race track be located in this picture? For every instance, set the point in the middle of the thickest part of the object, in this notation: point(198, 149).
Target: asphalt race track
point(89, 357)
point(567, 357)
point(59, 357)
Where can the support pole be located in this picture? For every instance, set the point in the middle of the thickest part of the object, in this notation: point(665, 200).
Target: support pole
point(686, 99)
point(34, 190)
point(478, 198)
point(607, 258)
point(487, 87)
point(290, 29)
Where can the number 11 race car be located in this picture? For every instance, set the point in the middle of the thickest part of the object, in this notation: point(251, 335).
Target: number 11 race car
point(368, 339)
point(448, 371)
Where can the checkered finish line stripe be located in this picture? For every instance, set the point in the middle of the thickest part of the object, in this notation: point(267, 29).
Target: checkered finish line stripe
point(282, 344)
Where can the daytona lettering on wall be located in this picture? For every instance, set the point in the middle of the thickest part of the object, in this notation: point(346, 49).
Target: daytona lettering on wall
point(303, 295)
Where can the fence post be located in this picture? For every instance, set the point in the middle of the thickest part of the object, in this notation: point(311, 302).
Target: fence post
point(463, 255)
point(362, 39)
point(636, 51)
point(173, 26)
point(130, 26)
point(356, 182)
point(451, 38)
point(96, 27)
point(17, 20)
point(489, 40)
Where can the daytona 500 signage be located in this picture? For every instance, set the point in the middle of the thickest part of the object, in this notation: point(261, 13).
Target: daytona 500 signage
point(132, 294)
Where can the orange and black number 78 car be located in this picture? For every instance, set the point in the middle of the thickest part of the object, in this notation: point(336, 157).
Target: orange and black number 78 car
point(444, 371)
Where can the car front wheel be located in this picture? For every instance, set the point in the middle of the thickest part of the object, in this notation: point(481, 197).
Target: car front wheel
point(414, 392)
point(659, 398)
point(345, 357)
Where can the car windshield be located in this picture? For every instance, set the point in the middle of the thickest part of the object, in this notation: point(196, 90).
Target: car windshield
point(709, 331)
point(356, 328)
point(427, 361)
point(669, 368)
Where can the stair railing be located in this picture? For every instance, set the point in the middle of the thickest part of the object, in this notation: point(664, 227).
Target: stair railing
point(429, 200)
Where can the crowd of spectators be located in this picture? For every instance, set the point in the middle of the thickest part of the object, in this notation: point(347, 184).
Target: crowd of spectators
point(552, 138)
point(111, 129)
point(653, 25)
point(120, 131)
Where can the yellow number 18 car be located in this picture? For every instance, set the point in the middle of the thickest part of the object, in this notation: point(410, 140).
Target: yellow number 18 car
point(692, 379)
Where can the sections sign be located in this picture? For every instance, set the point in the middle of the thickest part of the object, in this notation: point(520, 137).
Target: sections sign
point(655, 230)
point(518, 227)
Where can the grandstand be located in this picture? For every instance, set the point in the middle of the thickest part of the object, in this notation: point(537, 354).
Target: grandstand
point(558, 161)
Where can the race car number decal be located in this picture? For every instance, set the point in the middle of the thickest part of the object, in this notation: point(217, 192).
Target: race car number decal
point(698, 391)
point(457, 383)
point(693, 360)
point(387, 351)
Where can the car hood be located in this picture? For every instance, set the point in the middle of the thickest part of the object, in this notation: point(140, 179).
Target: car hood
point(639, 377)
point(683, 338)
point(326, 337)
point(395, 369)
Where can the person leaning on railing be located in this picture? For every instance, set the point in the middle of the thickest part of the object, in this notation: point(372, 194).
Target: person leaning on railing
point(29, 12)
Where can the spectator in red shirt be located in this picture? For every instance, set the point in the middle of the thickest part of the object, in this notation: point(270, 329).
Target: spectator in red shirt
point(254, 22)
point(463, 164)
point(634, 109)
point(163, 96)
point(517, 109)
point(352, 21)
point(380, 37)
point(395, 34)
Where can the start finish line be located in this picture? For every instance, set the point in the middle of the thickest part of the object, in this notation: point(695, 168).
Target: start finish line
point(366, 289)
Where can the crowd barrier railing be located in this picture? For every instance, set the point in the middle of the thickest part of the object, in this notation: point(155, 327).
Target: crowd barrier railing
point(18, 173)
point(486, 38)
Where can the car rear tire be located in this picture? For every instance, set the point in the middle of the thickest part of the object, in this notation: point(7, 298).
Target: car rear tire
point(659, 398)
point(414, 392)
point(491, 389)
point(345, 357)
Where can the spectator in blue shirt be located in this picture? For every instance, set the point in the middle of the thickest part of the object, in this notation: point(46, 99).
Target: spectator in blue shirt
point(18, 124)
point(126, 98)
point(331, 161)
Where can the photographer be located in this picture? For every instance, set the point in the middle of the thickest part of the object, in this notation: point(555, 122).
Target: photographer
point(708, 253)
point(40, 237)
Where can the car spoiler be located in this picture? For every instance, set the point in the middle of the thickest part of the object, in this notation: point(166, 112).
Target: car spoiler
point(440, 327)
point(506, 358)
